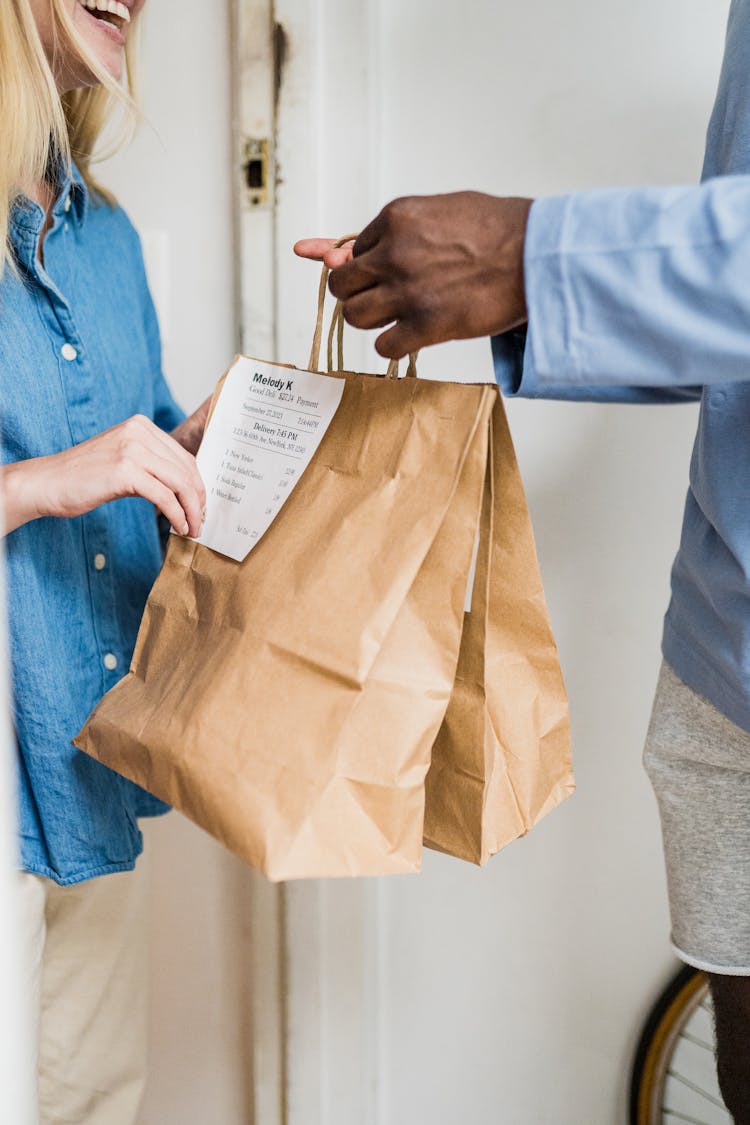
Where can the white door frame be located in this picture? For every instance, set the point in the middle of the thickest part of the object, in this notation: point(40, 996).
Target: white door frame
point(315, 964)
point(253, 74)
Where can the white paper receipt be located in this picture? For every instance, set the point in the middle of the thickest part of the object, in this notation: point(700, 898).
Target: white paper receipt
point(267, 425)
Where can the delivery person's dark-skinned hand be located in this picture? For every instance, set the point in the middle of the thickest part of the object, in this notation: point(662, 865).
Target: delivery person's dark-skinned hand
point(434, 268)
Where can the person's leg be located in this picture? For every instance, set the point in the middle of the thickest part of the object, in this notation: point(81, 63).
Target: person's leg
point(31, 900)
point(731, 997)
point(699, 765)
point(92, 1050)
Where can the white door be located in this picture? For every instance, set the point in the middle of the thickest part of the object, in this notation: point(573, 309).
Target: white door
point(514, 994)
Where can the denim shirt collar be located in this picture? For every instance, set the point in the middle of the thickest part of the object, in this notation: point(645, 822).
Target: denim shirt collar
point(27, 216)
point(73, 187)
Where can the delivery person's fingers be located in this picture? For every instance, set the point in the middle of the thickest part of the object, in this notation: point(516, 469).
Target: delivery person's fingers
point(368, 238)
point(405, 337)
point(374, 308)
point(338, 256)
point(324, 250)
point(355, 276)
point(313, 248)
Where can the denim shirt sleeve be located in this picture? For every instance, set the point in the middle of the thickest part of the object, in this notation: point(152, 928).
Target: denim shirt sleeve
point(634, 295)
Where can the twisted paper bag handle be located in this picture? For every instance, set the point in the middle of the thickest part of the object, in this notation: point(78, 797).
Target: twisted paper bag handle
point(336, 330)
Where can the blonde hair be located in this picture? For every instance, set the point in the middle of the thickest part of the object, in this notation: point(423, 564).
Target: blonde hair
point(40, 129)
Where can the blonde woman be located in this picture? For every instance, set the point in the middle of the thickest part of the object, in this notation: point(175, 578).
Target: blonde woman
point(93, 445)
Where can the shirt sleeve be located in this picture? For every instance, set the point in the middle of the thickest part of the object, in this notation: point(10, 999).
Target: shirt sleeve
point(515, 375)
point(639, 295)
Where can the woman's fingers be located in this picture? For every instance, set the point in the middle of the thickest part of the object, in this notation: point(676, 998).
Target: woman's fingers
point(173, 452)
point(143, 433)
point(142, 453)
point(191, 501)
point(163, 498)
point(145, 429)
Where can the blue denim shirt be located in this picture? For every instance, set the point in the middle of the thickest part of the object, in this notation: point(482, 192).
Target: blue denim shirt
point(79, 352)
point(643, 295)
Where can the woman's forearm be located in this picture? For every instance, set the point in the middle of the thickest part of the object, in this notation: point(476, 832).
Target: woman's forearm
point(134, 458)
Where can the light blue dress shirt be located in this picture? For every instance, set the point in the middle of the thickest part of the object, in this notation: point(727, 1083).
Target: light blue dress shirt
point(643, 295)
point(79, 352)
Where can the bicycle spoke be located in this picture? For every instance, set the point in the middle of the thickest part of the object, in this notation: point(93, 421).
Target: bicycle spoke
point(695, 1088)
point(698, 1042)
point(675, 1113)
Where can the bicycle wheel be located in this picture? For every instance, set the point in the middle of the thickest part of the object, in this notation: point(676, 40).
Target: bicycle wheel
point(674, 1074)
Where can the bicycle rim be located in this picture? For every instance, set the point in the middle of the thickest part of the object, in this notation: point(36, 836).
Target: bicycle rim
point(668, 1087)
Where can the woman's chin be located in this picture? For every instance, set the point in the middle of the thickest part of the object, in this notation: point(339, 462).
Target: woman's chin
point(80, 77)
point(105, 42)
point(114, 65)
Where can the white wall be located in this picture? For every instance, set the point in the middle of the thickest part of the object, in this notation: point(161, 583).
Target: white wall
point(175, 182)
point(511, 995)
point(514, 995)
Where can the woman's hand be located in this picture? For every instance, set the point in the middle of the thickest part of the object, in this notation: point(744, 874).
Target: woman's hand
point(135, 458)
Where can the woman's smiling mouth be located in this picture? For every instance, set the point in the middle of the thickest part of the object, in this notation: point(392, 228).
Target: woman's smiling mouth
point(109, 12)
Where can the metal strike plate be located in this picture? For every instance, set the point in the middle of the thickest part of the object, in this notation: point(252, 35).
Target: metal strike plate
point(255, 170)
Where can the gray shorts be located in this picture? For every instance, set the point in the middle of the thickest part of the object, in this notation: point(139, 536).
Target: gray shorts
point(699, 765)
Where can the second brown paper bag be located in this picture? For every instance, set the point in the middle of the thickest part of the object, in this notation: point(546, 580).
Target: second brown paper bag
point(501, 760)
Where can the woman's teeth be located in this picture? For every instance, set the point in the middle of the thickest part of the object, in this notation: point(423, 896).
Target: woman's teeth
point(108, 8)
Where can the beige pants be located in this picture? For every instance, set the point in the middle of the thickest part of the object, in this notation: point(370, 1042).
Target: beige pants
point(86, 964)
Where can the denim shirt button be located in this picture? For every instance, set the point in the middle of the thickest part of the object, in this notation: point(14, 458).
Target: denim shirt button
point(110, 661)
point(100, 561)
point(67, 351)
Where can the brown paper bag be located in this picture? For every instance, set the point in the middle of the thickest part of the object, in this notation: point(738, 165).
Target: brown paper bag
point(289, 703)
point(502, 757)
